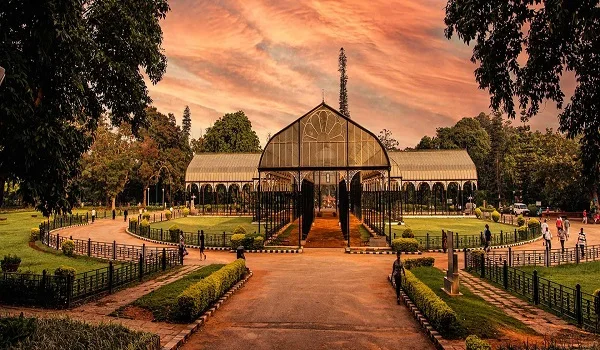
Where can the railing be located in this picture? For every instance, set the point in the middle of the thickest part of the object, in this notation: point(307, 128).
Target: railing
point(475, 241)
point(570, 303)
point(192, 238)
point(551, 257)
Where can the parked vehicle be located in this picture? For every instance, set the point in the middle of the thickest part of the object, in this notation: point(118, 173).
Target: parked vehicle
point(520, 208)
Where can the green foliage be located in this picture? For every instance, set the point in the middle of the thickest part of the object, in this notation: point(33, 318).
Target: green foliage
point(522, 231)
point(65, 271)
point(168, 215)
point(236, 240)
point(405, 245)
point(408, 233)
point(495, 216)
point(208, 208)
point(10, 263)
point(146, 216)
point(34, 235)
point(597, 301)
point(439, 314)
point(259, 243)
point(520, 220)
point(186, 212)
point(15, 329)
point(534, 223)
point(232, 133)
point(198, 297)
point(418, 262)
point(133, 220)
point(144, 223)
point(478, 213)
point(388, 140)
point(68, 247)
point(186, 122)
point(174, 233)
point(532, 209)
point(343, 83)
point(240, 230)
point(474, 343)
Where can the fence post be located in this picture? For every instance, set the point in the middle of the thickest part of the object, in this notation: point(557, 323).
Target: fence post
point(110, 277)
point(141, 269)
point(161, 234)
point(547, 257)
point(578, 305)
point(465, 252)
point(427, 241)
point(516, 236)
point(510, 256)
point(456, 241)
point(536, 288)
point(114, 250)
point(144, 251)
point(224, 245)
point(198, 236)
point(501, 237)
point(57, 241)
point(69, 290)
point(42, 290)
point(164, 259)
point(86, 217)
point(483, 266)
point(89, 247)
point(505, 274)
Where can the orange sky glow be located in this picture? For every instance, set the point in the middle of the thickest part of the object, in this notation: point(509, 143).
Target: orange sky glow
point(272, 59)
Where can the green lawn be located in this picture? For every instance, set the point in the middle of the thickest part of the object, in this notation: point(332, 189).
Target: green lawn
point(14, 239)
point(162, 301)
point(586, 274)
point(475, 315)
point(285, 235)
point(210, 225)
point(464, 226)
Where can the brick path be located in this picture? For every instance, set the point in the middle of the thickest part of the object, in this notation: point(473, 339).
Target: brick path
point(327, 233)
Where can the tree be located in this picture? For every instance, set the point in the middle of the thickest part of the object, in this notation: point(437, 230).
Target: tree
point(186, 124)
point(232, 133)
point(389, 142)
point(68, 62)
point(197, 145)
point(343, 82)
point(172, 119)
point(557, 36)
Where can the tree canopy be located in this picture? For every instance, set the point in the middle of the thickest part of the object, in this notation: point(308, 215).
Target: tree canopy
point(344, 110)
point(67, 62)
point(232, 133)
point(388, 140)
point(550, 37)
point(186, 122)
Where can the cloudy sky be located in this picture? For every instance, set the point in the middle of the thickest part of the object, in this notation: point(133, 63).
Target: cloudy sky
point(272, 59)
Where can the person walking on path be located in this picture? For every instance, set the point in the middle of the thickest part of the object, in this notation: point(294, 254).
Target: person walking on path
point(559, 224)
point(488, 237)
point(114, 214)
point(93, 215)
point(202, 255)
point(584, 220)
point(397, 272)
point(562, 235)
point(548, 238)
point(125, 212)
point(581, 242)
point(567, 227)
point(182, 249)
point(544, 226)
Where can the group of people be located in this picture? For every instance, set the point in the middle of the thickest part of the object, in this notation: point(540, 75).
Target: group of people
point(595, 217)
point(563, 230)
point(183, 250)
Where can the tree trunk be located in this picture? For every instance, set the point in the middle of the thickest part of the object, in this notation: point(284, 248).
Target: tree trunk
point(144, 197)
point(114, 199)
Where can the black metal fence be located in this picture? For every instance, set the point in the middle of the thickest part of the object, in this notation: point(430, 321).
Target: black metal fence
point(192, 238)
point(549, 257)
point(475, 241)
point(571, 304)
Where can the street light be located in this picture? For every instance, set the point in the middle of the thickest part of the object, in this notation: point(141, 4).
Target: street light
point(163, 198)
point(2, 72)
point(148, 196)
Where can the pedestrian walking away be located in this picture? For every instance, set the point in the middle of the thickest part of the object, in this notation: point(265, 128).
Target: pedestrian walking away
point(559, 224)
point(567, 227)
point(125, 212)
point(581, 242)
point(562, 235)
point(93, 215)
point(584, 220)
point(182, 243)
point(114, 214)
point(202, 255)
point(397, 272)
point(488, 238)
point(544, 226)
point(548, 238)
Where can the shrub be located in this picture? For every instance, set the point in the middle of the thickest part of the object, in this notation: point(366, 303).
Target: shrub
point(236, 240)
point(478, 213)
point(240, 230)
point(408, 233)
point(532, 209)
point(133, 220)
point(495, 216)
point(14, 330)
point(64, 271)
point(597, 301)
point(474, 343)
point(168, 215)
point(34, 235)
point(258, 243)
point(418, 262)
point(535, 224)
point(522, 230)
point(146, 216)
point(199, 296)
point(207, 208)
point(520, 220)
point(144, 223)
point(186, 212)
point(68, 247)
point(174, 233)
point(439, 314)
point(10, 263)
point(405, 245)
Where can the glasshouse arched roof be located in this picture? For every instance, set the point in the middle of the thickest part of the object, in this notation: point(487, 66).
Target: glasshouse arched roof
point(433, 165)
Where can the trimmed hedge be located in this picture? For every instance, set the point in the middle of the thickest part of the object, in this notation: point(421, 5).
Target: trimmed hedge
point(522, 230)
point(240, 230)
point(495, 216)
point(408, 233)
point(199, 296)
point(174, 233)
point(146, 216)
point(258, 243)
point(405, 245)
point(478, 213)
point(64, 271)
point(34, 235)
point(133, 220)
point(520, 220)
point(236, 240)
point(186, 212)
point(168, 215)
point(474, 343)
point(534, 223)
point(418, 262)
point(439, 314)
point(68, 247)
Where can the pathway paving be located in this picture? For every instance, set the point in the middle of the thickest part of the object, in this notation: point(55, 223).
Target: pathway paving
point(327, 233)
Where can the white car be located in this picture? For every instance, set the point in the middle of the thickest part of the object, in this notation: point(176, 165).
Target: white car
point(520, 208)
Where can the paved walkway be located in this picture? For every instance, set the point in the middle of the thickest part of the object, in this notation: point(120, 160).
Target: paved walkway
point(327, 233)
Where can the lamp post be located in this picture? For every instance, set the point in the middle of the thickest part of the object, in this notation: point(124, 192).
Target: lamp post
point(163, 197)
point(148, 196)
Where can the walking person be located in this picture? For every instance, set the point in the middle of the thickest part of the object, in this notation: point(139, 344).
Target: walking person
point(182, 248)
point(581, 242)
point(488, 238)
point(562, 236)
point(114, 214)
point(584, 220)
point(397, 272)
point(548, 238)
point(125, 212)
point(559, 224)
point(93, 215)
point(202, 255)
point(544, 226)
point(567, 227)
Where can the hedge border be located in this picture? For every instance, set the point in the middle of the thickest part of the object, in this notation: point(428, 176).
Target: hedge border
point(504, 246)
point(377, 252)
point(193, 327)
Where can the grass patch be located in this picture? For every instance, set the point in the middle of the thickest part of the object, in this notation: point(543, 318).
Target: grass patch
point(285, 235)
point(14, 239)
point(464, 226)
point(586, 274)
point(364, 233)
point(210, 225)
point(475, 315)
point(161, 302)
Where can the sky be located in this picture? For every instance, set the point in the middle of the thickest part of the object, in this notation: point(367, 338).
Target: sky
point(272, 59)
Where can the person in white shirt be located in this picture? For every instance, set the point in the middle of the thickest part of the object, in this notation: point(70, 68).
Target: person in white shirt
point(93, 215)
point(581, 242)
point(548, 238)
point(567, 227)
point(544, 226)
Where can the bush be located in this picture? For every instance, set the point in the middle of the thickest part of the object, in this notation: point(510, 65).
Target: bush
point(408, 233)
point(144, 223)
point(14, 330)
point(240, 230)
point(168, 215)
point(207, 208)
point(133, 220)
point(174, 233)
point(520, 220)
point(146, 216)
point(495, 216)
point(535, 224)
point(258, 243)
point(10, 263)
point(68, 247)
point(405, 245)
point(439, 314)
point(418, 262)
point(186, 212)
point(532, 209)
point(474, 343)
point(597, 301)
point(478, 213)
point(34, 235)
point(522, 230)
point(64, 271)
point(199, 296)
point(236, 240)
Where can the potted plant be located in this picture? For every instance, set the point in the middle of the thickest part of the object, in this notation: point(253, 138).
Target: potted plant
point(10, 263)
